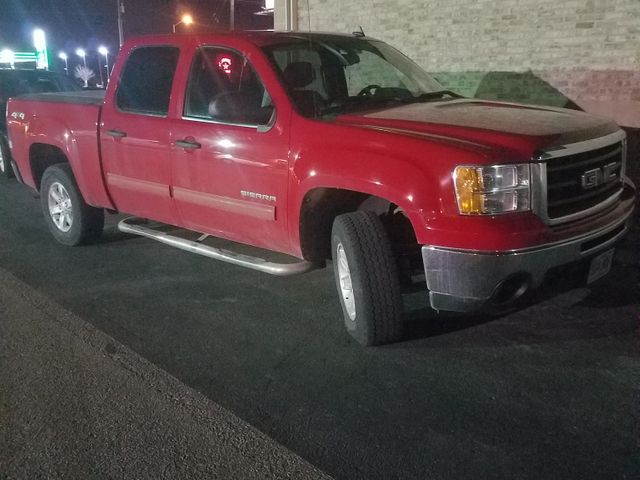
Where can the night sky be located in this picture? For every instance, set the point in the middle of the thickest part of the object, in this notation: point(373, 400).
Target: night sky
point(70, 24)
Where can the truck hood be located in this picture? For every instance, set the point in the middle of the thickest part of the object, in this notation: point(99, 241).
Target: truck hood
point(524, 128)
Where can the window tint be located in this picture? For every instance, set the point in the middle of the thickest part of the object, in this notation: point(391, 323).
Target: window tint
point(224, 87)
point(145, 85)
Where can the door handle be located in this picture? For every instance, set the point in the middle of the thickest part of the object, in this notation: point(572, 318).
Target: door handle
point(188, 144)
point(116, 133)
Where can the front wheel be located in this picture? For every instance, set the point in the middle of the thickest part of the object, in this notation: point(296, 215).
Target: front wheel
point(70, 219)
point(5, 159)
point(367, 278)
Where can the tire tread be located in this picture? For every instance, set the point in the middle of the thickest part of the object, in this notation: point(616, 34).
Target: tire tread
point(373, 259)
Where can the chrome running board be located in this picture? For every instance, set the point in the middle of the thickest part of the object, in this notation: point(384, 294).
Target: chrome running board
point(136, 226)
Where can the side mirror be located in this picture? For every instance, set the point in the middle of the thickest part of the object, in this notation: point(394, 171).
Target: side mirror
point(240, 107)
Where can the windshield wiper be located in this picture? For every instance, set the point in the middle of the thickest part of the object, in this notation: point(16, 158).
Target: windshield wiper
point(349, 104)
point(356, 103)
point(424, 97)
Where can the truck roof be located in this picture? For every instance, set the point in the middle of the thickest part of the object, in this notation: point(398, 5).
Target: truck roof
point(258, 37)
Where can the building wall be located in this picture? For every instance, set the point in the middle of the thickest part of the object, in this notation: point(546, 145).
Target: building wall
point(575, 53)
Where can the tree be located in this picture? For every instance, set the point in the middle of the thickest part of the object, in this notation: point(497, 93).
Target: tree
point(85, 74)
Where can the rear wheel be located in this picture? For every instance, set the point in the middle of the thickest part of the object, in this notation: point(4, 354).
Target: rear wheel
point(366, 278)
point(5, 162)
point(70, 219)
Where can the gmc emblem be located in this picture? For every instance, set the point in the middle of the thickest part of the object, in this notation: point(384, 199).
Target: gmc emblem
point(598, 176)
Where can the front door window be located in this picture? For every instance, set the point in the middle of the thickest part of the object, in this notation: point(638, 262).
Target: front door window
point(223, 87)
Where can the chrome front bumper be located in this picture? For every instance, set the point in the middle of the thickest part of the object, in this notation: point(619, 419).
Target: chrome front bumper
point(464, 280)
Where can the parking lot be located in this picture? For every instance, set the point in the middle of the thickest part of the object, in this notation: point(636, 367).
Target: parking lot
point(549, 391)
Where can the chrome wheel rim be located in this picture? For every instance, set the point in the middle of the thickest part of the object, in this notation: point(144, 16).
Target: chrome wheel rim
point(346, 285)
point(60, 208)
point(2, 164)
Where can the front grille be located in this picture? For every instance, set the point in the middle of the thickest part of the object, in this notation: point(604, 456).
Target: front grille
point(583, 180)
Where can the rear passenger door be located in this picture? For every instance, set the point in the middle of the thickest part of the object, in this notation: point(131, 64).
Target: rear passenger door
point(135, 134)
point(229, 163)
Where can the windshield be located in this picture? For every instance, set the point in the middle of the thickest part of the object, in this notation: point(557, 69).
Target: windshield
point(334, 75)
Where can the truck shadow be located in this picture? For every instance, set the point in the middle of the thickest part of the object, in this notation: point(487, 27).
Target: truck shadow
point(111, 234)
point(421, 323)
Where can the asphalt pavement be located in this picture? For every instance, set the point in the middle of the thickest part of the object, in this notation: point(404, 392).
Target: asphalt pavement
point(549, 391)
point(75, 403)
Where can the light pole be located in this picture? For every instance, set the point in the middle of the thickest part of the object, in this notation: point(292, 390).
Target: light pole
point(186, 19)
point(101, 75)
point(103, 51)
point(120, 14)
point(81, 53)
point(64, 57)
point(232, 15)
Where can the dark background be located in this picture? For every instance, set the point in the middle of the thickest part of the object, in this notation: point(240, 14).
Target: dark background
point(72, 24)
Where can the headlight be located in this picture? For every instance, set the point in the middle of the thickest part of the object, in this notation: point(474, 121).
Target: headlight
point(494, 189)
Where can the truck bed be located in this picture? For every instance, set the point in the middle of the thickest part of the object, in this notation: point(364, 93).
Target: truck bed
point(69, 121)
point(89, 97)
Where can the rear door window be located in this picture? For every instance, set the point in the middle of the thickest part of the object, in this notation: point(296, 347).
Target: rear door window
point(145, 84)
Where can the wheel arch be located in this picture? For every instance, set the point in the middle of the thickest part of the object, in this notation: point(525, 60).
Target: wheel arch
point(321, 205)
point(41, 157)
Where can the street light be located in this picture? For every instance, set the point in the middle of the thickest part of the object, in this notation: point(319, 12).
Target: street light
point(81, 53)
point(64, 57)
point(186, 19)
point(102, 50)
point(7, 56)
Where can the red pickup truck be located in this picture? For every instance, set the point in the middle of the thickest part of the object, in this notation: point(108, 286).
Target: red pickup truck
point(321, 146)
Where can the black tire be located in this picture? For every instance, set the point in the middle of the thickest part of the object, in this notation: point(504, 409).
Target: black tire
point(375, 318)
point(5, 158)
point(79, 223)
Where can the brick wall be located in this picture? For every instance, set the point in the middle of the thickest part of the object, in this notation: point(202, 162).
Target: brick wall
point(576, 53)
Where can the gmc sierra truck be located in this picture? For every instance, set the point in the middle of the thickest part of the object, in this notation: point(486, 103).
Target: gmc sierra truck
point(319, 146)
